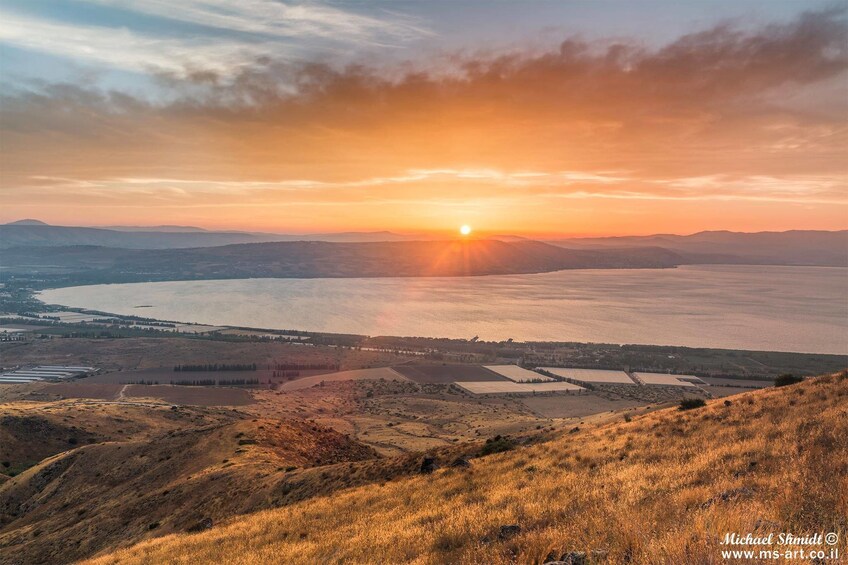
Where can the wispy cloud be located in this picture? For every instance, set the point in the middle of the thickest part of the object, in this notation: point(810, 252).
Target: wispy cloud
point(125, 49)
point(462, 185)
point(277, 19)
point(228, 35)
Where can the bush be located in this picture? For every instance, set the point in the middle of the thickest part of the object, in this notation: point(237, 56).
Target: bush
point(690, 403)
point(497, 444)
point(787, 379)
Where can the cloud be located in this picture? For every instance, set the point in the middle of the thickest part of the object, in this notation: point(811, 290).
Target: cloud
point(278, 19)
point(125, 49)
point(226, 36)
point(723, 114)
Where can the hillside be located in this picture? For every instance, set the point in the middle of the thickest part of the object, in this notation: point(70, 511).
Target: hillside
point(78, 502)
point(794, 247)
point(33, 233)
point(663, 488)
point(322, 259)
point(30, 432)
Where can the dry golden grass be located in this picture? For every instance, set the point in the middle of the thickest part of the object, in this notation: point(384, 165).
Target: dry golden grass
point(663, 488)
point(98, 497)
point(31, 431)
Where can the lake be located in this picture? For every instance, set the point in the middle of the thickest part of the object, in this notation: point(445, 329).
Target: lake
point(802, 309)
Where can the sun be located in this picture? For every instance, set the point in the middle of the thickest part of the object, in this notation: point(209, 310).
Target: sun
point(465, 229)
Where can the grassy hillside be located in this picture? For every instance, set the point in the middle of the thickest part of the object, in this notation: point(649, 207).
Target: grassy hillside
point(88, 498)
point(663, 488)
point(30, 432)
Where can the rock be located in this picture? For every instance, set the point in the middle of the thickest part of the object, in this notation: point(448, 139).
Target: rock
point(247, 442)
point(574, 430)
point(599, 555)
point(727, 403)
point(766, 524)
point(574, 558)
point(733, 494)
point(461, 462)
point(729, 496)
point(428, 465)
point(204, 524)
point(509, 531)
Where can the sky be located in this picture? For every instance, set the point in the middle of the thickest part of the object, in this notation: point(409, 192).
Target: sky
point(530, 118)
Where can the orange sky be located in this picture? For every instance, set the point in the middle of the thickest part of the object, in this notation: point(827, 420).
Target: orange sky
point(718, 129)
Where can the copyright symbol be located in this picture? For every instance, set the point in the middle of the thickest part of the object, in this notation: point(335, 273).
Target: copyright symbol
point(831, 538)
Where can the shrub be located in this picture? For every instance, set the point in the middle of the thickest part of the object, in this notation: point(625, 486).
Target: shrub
point(690, 403)
point(497, 444)
point(787, 379)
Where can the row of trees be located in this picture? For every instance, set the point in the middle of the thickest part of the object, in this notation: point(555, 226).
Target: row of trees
point(200, 382)
point(216, 367)
point(305, 366)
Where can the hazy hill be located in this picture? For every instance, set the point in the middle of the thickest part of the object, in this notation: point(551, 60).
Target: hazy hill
point(36, 233)
point(27, 222)
point(164, 228)
point(767, 461)
point(323, 259)
point(796, 247)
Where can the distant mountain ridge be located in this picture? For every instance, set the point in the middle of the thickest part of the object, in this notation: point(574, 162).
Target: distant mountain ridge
point(160, 229)
point(36, 233)
point(318, 259)
point(27, 222)
point(32, 246)
point(794, 247)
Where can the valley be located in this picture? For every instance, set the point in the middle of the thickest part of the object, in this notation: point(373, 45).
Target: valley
point(174, 458)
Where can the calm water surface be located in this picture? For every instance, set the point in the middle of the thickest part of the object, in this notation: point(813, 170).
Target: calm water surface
point(740, 307)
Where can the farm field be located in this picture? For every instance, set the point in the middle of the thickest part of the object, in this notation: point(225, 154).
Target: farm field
point(167, 375)
point(399, 416)
point(662, 379)
point(517, 374)
point(496, 387)
point(722, 391)
point(556, 386)
point(165, 352)
point(576, 406)
point(590, 375)
point(446, 374)
point(77, 389)
point(112, 392)
point(352, 375)
point(191, 395)
point(744, 383)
